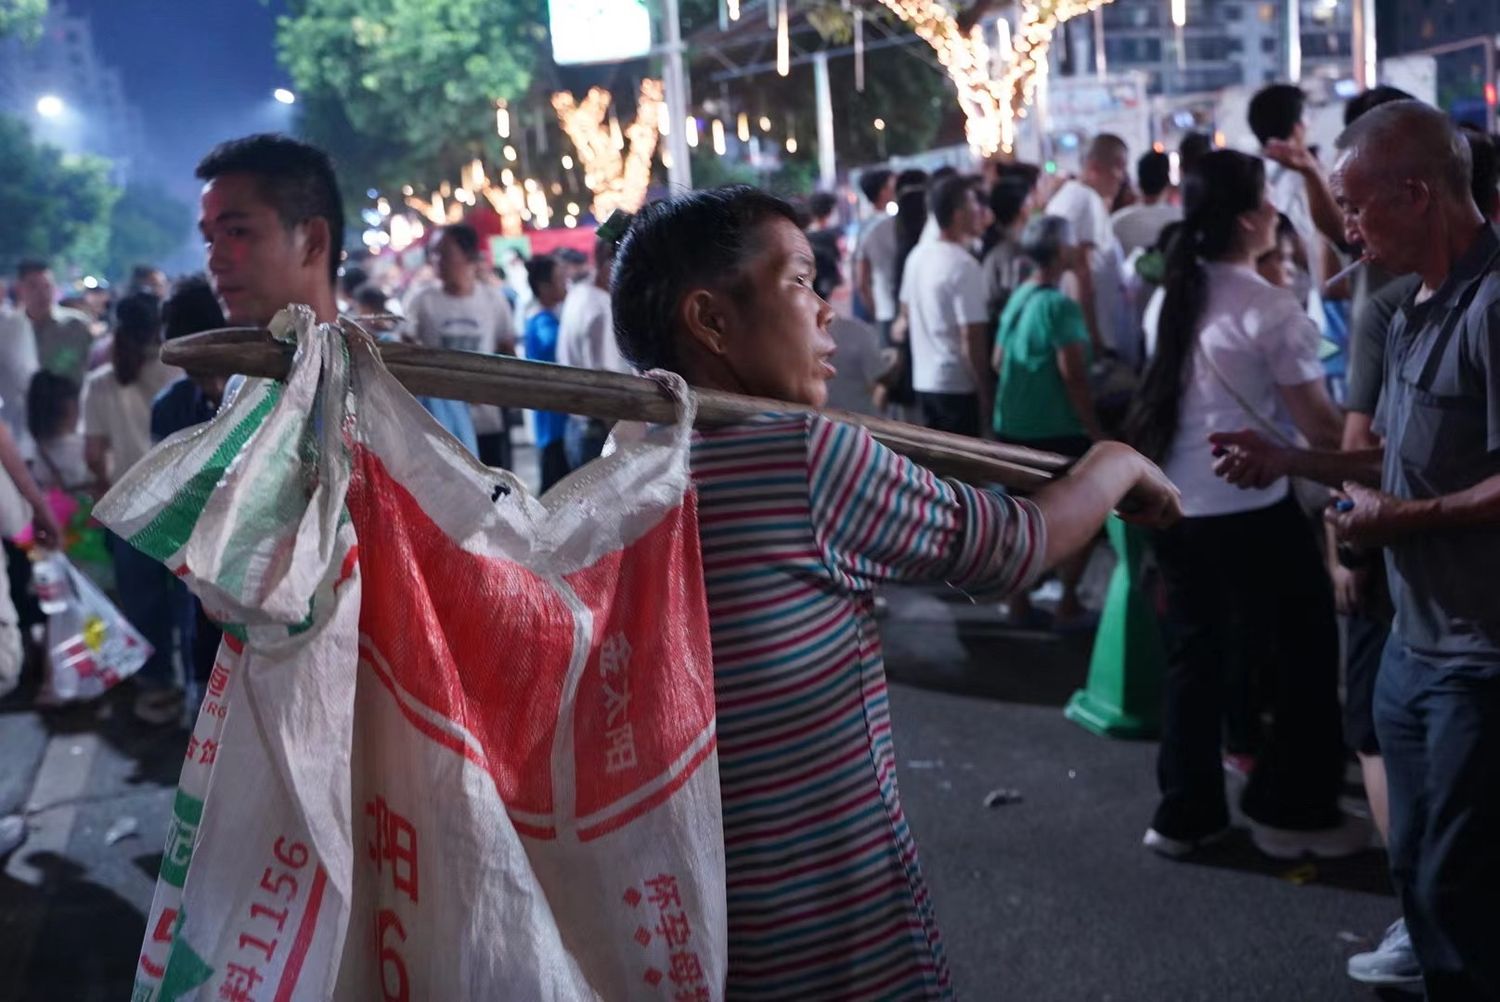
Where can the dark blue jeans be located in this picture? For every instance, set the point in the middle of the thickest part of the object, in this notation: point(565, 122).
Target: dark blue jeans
point(1439, 730)
point(145, 590)
point(584, 439)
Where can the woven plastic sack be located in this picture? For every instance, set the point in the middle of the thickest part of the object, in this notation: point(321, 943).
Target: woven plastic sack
point(459, 742)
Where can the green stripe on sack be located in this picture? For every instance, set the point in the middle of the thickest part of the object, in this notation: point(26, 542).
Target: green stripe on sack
point(187, 812)
point(168, 532)
point(186, 971)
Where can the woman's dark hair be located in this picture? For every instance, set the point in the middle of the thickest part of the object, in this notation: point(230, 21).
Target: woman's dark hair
point(47, 401)
point(191, 308)
point(1013, 186)
point(1225, 185)
point(1193, 148)
point(912, 177)
point(137, 328)
point(911, 218)
point(701, 239)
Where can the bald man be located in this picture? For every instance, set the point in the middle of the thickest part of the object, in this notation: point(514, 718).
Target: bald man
point(1085, 202)
point(1402, 181)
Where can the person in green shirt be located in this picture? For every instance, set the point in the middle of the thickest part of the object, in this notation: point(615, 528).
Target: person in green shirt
point(1042, 351)
point(1042, 400)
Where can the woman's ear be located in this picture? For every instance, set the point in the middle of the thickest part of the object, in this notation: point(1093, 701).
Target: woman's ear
point(704, 320)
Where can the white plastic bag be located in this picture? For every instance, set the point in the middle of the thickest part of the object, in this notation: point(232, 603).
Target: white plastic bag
point(91, 646)
point(460, 741)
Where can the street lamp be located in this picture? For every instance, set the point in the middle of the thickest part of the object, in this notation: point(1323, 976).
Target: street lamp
point(284, 96)
point(50, 106)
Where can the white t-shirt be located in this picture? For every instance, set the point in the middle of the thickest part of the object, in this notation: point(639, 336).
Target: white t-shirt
point(18, 363)
point(586, 331)
point(1287, 191)
point(858, 361)
point(59, 463)
point(878, 246)
point(1258, 338)
point(1137, 227)
point(1081, 205)
point(942, 289)
point(122, 414)
point(480, 321)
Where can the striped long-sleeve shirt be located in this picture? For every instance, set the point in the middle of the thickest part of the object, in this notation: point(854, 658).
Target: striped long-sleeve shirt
point(801, 517)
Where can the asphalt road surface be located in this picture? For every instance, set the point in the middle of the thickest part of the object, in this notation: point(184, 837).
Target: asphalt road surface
point(1046, 897)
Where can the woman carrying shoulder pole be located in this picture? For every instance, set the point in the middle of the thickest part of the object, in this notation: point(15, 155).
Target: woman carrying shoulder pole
point(801, 518)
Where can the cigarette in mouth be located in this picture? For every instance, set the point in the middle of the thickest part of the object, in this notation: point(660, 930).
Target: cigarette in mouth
point(1336, 279)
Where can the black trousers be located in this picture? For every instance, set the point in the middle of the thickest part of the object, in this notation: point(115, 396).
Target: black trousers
point(955, 412)
point(1439, 728)
point(553, 463)
point(1249, 585)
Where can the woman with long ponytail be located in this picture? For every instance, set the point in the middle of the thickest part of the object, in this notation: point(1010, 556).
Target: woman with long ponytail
point(1243, 572)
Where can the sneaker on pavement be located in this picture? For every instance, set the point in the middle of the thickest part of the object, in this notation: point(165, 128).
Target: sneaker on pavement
point(1239, 765)
point(1177, 848)
point(1391, 963)
point(1349, 836)
point(12, 834)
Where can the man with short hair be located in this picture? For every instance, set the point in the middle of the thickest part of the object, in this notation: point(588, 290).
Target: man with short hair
point(549, 287)
point(62, 336)
point(586, 339)
point(1138, 226)
point(463, 314)
point(944, 313)
point(1084, 202)
point(1403, 179)
point(875, 252)
point(273, 227)
point(1294, 180)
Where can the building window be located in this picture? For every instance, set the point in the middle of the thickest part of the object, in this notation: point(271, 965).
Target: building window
point(1268, 45)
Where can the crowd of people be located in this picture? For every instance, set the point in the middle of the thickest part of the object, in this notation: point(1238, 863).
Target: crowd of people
point(1207, 315)
point(1164, 334)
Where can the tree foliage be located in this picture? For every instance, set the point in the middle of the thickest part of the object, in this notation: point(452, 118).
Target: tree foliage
point(56, 206)
point(22, 18)
point(408, 87)
point(146, 225)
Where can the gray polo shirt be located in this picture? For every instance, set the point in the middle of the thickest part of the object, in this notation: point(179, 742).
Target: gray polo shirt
point(1440, 417)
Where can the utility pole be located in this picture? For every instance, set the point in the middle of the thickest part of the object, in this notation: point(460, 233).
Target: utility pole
point(1363, 30)
point(675, 81)
point(827, 165)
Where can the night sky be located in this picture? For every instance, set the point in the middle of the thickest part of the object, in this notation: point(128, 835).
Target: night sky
point(200, 71)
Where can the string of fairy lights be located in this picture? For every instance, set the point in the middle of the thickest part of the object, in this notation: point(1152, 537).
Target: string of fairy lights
point(996, 85)
point(992, 104)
